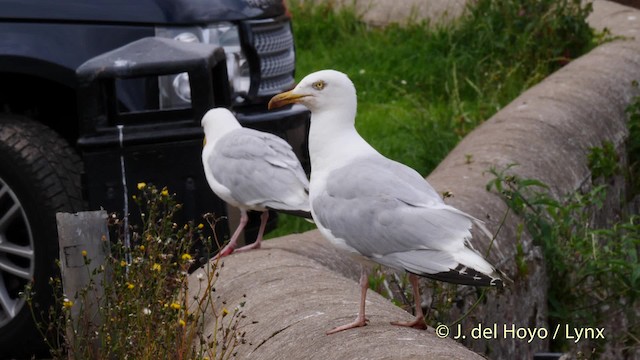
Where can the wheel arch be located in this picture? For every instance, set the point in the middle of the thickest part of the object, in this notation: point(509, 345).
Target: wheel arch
point(41, 90)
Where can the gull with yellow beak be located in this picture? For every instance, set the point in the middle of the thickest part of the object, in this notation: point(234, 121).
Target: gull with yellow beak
point(251, 170)
point(375, 208)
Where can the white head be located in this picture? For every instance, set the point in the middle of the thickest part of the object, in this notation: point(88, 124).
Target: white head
point(218, 122)
point(320, 91)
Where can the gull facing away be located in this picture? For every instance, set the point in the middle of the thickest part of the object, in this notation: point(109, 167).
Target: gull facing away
point(251, 170)
point(376, 208)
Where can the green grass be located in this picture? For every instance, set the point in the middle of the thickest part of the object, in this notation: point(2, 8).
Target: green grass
point(421, 89)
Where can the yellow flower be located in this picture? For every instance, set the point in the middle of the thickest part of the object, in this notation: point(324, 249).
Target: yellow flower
point(130, 286)
point(142, 185)
point(200, 226)
point(141, 247)
point(84, 253)
point(185, 257)
point(182, 323)
point(164, 192)
point(156, 267)
point(67, 303)
point(134, 197)
point(225, 312)
point(175, 306)
point(123, 263)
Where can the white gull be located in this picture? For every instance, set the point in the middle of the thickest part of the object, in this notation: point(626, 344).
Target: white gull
point(251, 170)
point(377, 208)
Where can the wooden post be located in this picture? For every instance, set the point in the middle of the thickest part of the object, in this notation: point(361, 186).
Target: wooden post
point(84, 247)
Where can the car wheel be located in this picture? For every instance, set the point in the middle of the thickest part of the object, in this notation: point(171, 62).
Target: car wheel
point(39, 176)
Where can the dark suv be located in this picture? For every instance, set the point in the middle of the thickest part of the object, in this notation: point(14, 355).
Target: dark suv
point(99, 95)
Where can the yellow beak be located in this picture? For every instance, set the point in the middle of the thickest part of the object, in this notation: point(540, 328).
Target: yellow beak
point(284, 98)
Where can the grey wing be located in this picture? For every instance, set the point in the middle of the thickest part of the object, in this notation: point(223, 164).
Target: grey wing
point(381, 210)
point(393, 216)
point(260, 169)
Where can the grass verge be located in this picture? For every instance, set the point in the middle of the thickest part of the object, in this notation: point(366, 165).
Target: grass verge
point(422, 88)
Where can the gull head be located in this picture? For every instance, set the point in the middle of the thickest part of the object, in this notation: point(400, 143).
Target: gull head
point(218, 122)
point(318, 91)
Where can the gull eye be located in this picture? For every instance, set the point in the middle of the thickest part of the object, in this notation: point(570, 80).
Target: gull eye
point(318, 85)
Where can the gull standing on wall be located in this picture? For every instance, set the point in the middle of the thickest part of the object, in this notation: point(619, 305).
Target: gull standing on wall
point(376, 208)
point(251, 170)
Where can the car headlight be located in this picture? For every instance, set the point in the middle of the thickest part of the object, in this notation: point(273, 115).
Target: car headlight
point(175, 90)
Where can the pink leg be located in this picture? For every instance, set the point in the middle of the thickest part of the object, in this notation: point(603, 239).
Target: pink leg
point(418, 323)
point(227, 250)
point(263, 224)
point(361, 320)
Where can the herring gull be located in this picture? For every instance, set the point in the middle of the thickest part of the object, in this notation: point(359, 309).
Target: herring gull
point(376, 208)
point(251, 170)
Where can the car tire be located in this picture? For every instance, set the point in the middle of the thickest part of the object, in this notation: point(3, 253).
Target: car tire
point(39, 175)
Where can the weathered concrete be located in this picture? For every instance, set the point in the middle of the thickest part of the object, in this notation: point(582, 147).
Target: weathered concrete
point(548, 131)
point(295, 298)
point(296, 287)
point(619, 19)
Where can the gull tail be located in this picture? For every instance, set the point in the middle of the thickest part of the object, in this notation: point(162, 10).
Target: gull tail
point(467, 276)
point(465, 267)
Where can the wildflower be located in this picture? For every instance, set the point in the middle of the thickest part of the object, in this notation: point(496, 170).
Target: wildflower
point(134, 197)
point(123, 263)
point(225, 312)
point(186, 257)
point(141, 247)
point(142, 185)
point(200, 276)
point(130, 286)
point(66, 303)
point(84, 253)
point(200, 226)
point(175, 306)
point(182, 323)
point(146, 311)
point(156, 267)
point(164, 192)
point(362, 71)
point(403, 82)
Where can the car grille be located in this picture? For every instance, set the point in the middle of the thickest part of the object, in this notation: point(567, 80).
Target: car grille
point(273, 42)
